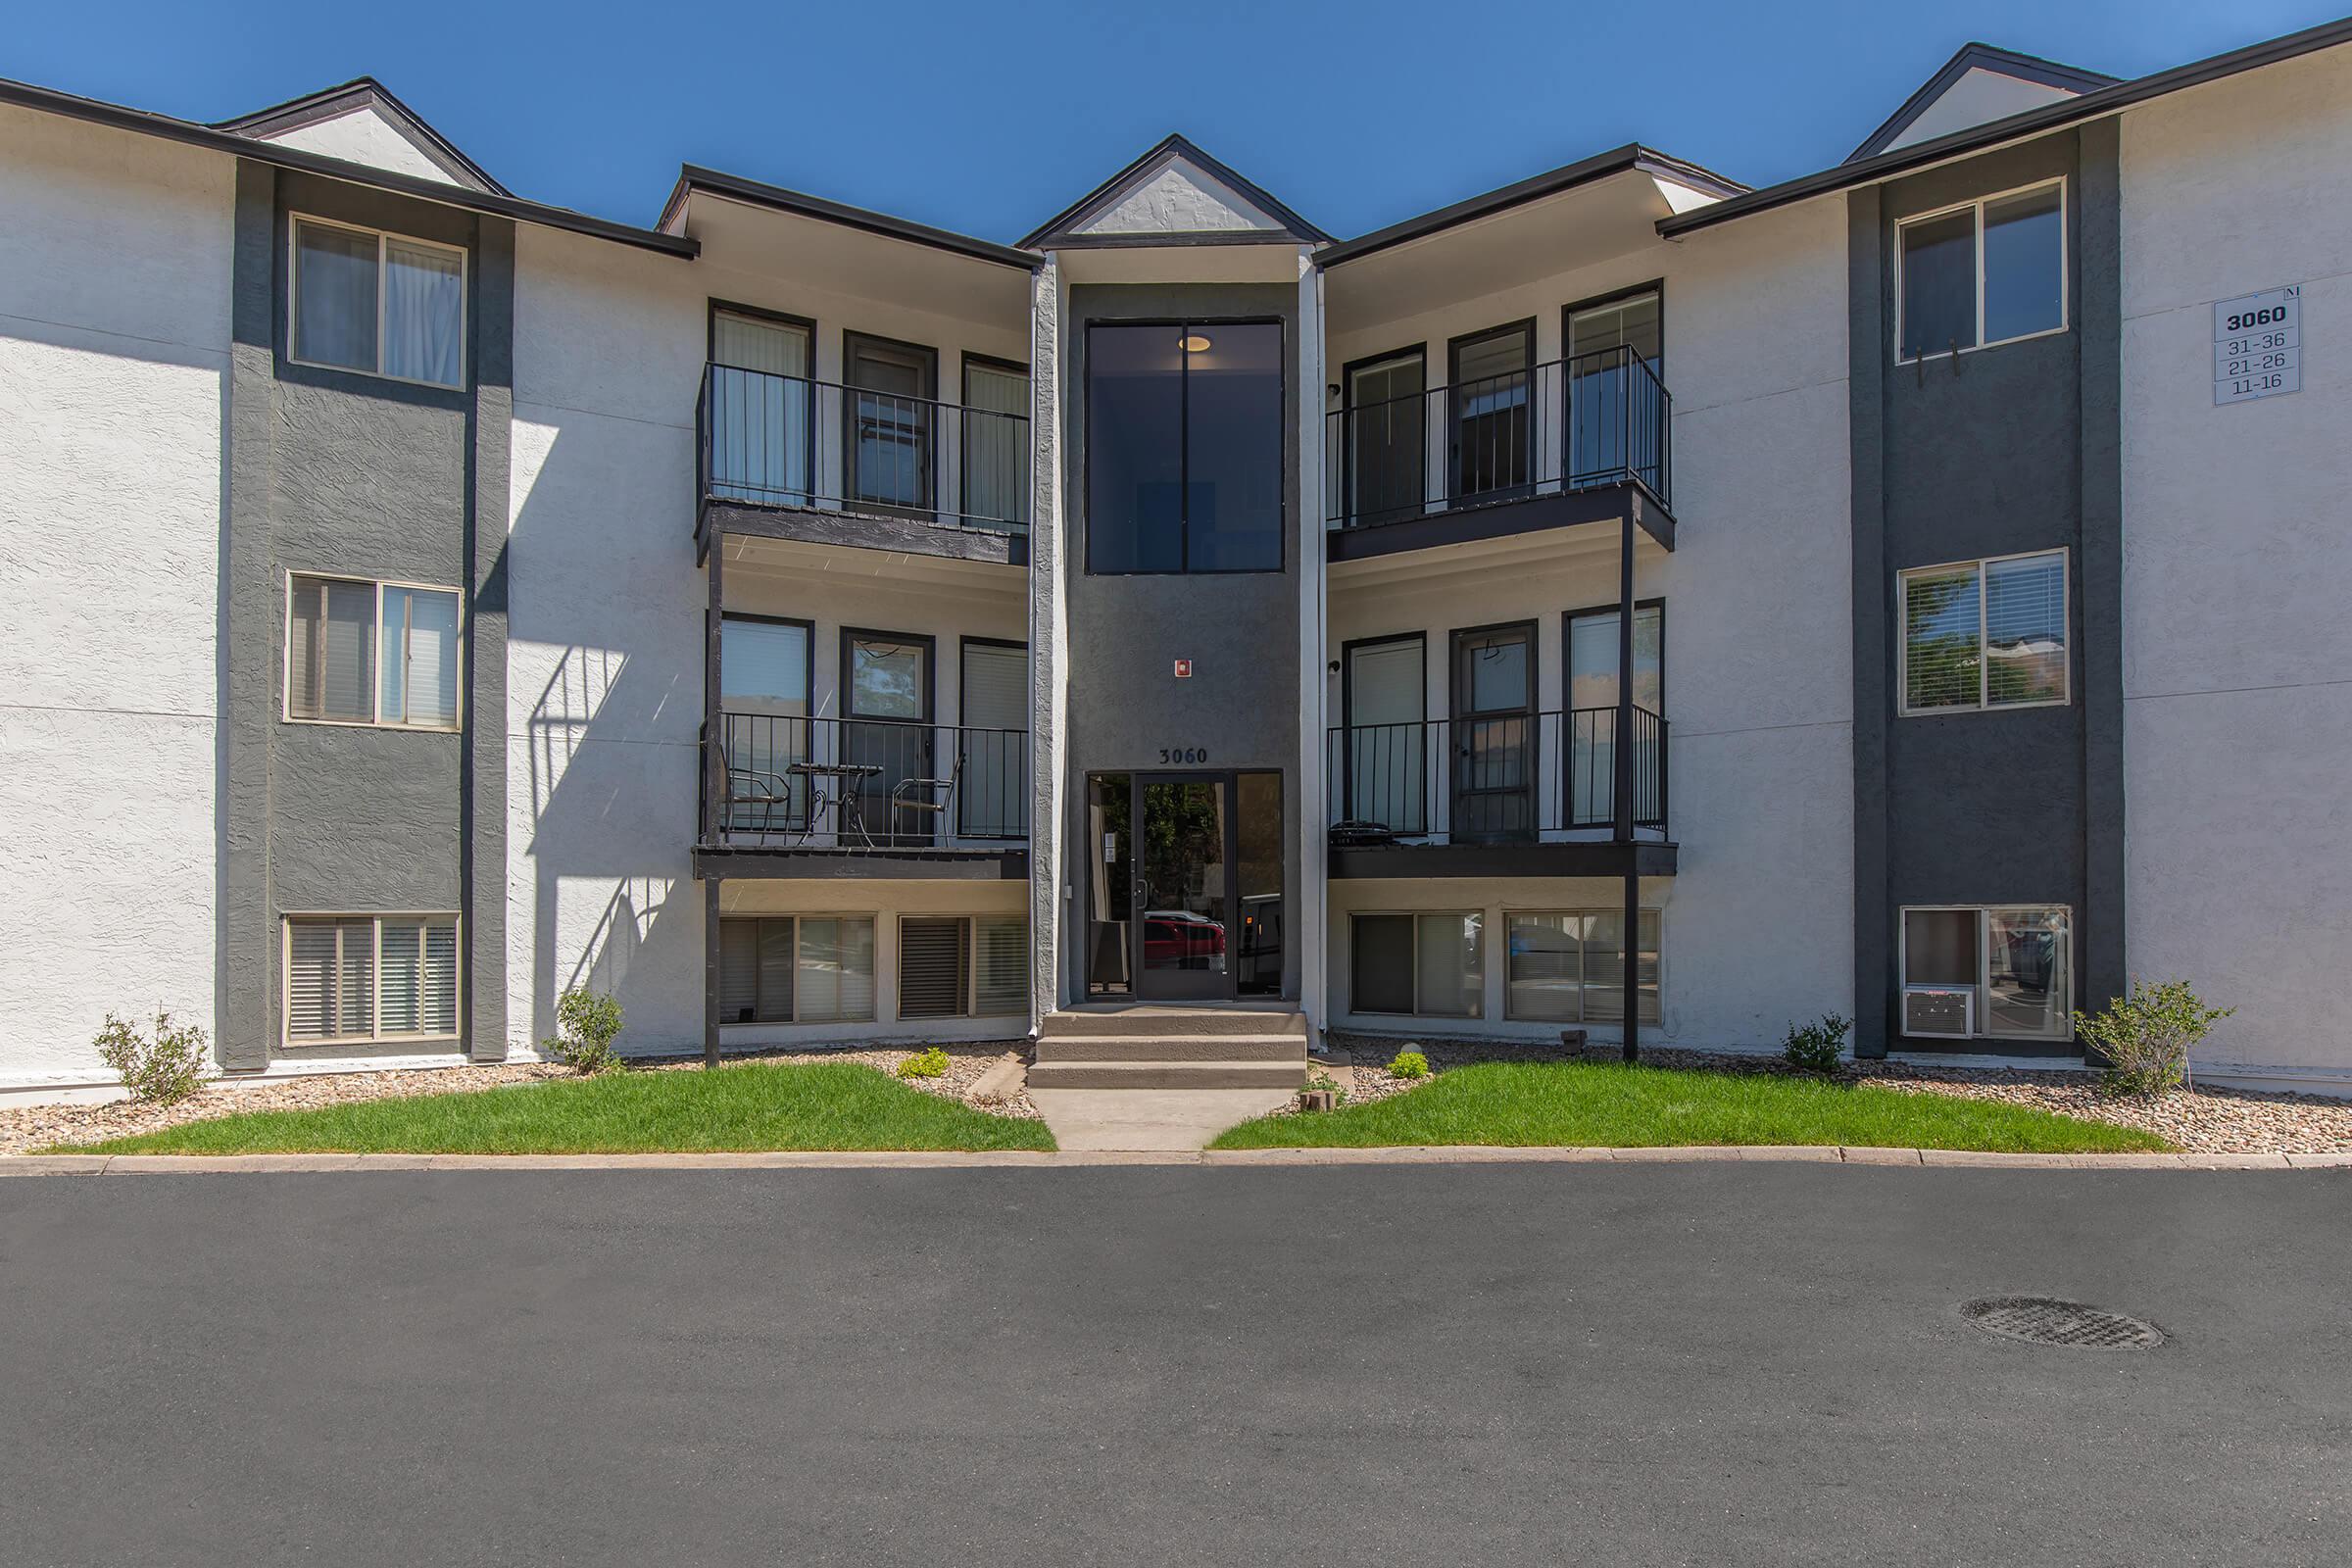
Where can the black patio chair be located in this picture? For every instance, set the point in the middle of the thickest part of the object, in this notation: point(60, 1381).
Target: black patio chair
point(920, 797)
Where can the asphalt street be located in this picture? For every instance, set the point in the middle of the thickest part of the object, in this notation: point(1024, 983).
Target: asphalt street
point(1507, 1364)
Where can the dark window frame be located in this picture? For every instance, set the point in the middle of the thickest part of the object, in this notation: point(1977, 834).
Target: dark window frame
point(1615, 296)
point(1568, 618)
point(963, 392)
point(1348, 509)
point(1184, 420)
point(848, 686)
point(928, 504)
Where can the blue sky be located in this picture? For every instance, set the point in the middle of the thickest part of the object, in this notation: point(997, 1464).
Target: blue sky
point(988, 118)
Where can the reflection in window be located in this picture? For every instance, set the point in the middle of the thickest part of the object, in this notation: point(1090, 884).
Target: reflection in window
point(1184, 447)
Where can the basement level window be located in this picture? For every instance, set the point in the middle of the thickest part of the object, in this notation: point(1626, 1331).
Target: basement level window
point(353, 978)
point(1983, 272)
point(2005, 972)
point(382, 304)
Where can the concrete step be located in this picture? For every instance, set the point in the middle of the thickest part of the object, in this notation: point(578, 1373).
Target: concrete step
point(1192, 1074)
point(1172, 1048)
point(1140, 1019)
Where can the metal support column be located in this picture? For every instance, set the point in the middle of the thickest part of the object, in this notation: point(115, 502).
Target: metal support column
point(1623, 787)
point(715, 782)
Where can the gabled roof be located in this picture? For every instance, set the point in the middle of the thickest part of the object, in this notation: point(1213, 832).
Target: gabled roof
point(692, 178)
point(363, 95)
point(2024, 72)
point(1110, 213)
point(1600, 166)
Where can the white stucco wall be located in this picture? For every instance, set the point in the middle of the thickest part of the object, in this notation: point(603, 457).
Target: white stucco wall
point(1759, 656)
point(605, 653)
point(363, 136)
point(113, 357)
point(2238, 566)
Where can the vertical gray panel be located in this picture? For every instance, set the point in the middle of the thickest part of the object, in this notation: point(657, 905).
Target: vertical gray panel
point(1866, 324)
point(483, 847)
point(2104, 964)
point(246, 1004)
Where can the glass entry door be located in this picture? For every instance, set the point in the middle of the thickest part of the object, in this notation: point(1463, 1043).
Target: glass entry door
point(1185, 896)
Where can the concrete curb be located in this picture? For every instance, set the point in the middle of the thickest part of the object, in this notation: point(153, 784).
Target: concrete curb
point(953, 1159)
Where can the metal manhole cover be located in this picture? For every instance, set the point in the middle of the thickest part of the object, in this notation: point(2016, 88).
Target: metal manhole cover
point(2046, 1320)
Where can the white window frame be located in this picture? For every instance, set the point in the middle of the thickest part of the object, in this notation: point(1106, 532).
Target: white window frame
point(376, 977)
point(375, 673)
point(1984, 981)
point(383, 237)
point(2066, 303)
point(1417, 916)
point(1657, 911)
point(798, 917)
point(970, 920)
point(1984, 703)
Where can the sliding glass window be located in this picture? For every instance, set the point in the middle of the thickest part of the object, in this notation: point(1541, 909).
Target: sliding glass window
point(1184, 455)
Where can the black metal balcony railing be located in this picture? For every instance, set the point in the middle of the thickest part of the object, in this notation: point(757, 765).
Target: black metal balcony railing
point(1492, 780)
point(1599, 418)
point(789, 441)
point(789, 782)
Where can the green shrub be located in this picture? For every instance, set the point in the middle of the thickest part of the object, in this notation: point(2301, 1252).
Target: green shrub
point(158, 1071)
point(928, 1063)
point(2146, 1036)
point(588, 1025)
point(1409, 1064)
point(1817, 1046)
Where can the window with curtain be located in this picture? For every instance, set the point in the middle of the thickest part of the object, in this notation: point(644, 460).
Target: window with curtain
point(963, 966)
point(1568, 966)
point(368, 653)
point(1985, 634)
point(992, 790)
point(383, 304)
point(762, 408)
point(1987, 273)
point(763, 692)
point(355, 978)
point(796, 969)
point(996, 444)
point(1425, 966)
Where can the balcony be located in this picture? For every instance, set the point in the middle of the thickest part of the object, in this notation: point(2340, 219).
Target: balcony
point(1521, 794)
point(790, 796)
point(1580, 440)
point(787, 457)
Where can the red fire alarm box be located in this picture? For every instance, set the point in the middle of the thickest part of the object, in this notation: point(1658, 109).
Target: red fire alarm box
point(1183, 669)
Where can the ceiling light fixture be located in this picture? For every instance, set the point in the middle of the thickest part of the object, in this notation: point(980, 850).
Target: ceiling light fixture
point(1194, 342)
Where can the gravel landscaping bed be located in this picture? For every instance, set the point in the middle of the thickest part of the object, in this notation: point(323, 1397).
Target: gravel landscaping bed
point(2202, 1120)
point(26, 1128)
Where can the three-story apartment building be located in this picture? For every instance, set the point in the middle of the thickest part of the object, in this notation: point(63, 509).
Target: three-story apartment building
point(1623, 601)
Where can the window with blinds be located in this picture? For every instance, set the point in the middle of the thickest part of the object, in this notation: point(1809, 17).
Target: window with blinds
point(353, 978)
point(1422, 965)
point(370, 652)
point(1985, 634)
point(963, 966)
point(1569, 968)
point(796, 969)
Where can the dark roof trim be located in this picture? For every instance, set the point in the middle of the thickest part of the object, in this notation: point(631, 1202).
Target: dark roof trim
point(692, 178)
point(1617, 161)
point(2031, 122)
point(188, 131)
point(1058, 228)
point(1972, 56)
point(365, 92)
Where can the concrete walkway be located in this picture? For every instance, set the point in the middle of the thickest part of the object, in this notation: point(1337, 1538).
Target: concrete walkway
point(935, 1159)
point(1154, 1120)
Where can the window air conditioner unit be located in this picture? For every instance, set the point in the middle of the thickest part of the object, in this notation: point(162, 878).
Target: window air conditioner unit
point(1946, 1012)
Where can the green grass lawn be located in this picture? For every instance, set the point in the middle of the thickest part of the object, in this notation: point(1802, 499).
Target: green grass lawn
point(754, 1106)
point(1590, 1104)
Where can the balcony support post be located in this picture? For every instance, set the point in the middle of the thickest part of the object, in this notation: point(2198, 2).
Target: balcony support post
point(1622, 764)
point(711, 972)
point(715, 789)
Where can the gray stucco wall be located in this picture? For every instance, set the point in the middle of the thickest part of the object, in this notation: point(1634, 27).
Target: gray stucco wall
point(1240, 629)
point(2004, 449)
point(349, 474)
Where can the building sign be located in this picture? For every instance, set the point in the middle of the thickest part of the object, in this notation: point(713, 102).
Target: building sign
point(2258, 345)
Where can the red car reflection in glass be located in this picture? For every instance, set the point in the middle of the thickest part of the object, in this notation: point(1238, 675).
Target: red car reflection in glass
point(1175, 939)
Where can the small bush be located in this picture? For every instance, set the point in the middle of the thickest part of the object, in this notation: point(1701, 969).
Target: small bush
point(1409, 1064)
point(589, 1024)
point(2146, 1036)
point(1817, 1046)
point(930, 1064)
point(158, 1071)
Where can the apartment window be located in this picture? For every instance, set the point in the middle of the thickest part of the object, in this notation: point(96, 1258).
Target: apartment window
point(1568, 966)
point(1981, 634)
point(368, 977)
point(384, 304)
point(1184, 447)
point(1985, 272)
point(1424, 965)
point(809, 969)
point(963, 966)
point(2000, 971)
point(372, 653)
